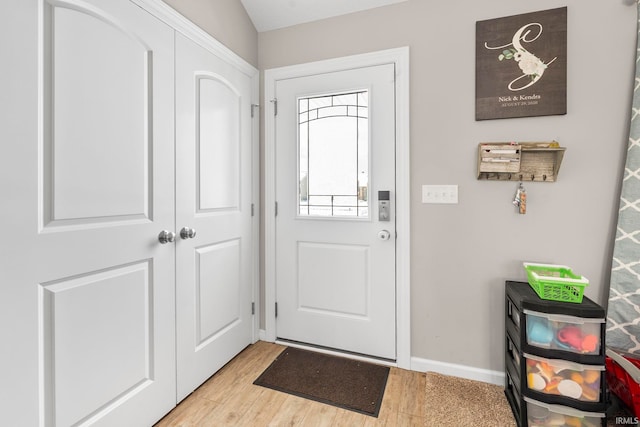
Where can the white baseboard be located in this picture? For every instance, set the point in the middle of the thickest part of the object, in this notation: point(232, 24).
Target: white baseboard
point(461, 371)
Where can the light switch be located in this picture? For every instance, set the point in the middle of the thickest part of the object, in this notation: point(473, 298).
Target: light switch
point(440, 194)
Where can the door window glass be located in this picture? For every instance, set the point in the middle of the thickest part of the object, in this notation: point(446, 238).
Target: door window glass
point(333, 159)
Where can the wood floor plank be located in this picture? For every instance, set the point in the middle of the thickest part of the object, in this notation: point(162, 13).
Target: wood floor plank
point(243, 369)
point(410, 402)
point(235, 407)
point(346, 418)
point(189, 413)
point(264, 409)
point(229, 398)
point(320, 415)
point(407, 420)
point(391, 401)
point(291, 413)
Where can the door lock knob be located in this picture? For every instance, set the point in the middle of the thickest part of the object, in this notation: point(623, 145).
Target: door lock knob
point(187, 233)
point(166, 237)
point(384, 235)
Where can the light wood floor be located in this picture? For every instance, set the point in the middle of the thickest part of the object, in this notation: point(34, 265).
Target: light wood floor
point(229, 398)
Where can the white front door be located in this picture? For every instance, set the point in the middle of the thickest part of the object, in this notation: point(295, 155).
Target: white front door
point(335, 223)
point(87, 303)
point(213, 213)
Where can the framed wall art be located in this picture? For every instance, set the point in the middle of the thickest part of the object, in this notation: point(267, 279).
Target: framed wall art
point(521, 65)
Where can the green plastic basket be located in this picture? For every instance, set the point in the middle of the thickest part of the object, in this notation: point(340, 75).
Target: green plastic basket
point(556, 282)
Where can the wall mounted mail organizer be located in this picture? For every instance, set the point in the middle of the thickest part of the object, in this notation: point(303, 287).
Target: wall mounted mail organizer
point(519, 161)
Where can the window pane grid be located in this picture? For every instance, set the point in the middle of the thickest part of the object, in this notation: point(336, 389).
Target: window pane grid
point(333, 155)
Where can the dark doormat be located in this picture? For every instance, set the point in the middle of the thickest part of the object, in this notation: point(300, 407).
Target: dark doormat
point(338, 381)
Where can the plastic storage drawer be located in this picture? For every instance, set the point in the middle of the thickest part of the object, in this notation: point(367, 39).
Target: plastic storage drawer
point(562, 332)
point(541, 414)
point(512, 352)
point(517, 403)
point(564, 378)
point(529, 412)
point(534, 325)
point(513, 313)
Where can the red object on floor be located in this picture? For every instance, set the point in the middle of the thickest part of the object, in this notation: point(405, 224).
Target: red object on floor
point(623, 385)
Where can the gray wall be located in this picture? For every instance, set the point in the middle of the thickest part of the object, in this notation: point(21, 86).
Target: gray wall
point(226, 20)
point(462, 254)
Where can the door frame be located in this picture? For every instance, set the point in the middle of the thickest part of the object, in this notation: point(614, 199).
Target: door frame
point(399, 57)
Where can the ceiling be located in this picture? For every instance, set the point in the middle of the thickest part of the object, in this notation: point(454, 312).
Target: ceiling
point(273, 14)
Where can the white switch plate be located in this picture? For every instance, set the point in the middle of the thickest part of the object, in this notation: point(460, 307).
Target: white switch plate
point(442, 194)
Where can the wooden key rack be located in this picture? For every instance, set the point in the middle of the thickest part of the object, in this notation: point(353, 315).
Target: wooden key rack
point(519, 161)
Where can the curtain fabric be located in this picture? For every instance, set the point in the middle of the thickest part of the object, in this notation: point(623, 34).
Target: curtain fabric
point(623, 316)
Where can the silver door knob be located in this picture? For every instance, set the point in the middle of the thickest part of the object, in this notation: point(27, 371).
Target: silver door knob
point(384, 235)
point(166, 237)
point(187, 233)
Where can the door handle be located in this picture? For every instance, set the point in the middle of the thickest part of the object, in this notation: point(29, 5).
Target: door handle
point(384, 235)
point(187, 233)
point(166, 237)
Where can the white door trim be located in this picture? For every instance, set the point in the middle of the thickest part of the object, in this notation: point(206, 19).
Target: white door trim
point(178, 22)
point(400, 57)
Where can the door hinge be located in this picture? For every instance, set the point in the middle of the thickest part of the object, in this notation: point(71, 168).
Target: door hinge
point(275, 106)
point(276, 211)
point(253, 209)
point(276, 309)
point(253, 107)
point(253, 308)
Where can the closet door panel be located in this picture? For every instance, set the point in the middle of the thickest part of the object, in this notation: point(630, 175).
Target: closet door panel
point(106, 145)
point(218, 144)
point(100, 327)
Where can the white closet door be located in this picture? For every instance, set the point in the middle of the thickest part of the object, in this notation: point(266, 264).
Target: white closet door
point(213, 197)
point(87, 303)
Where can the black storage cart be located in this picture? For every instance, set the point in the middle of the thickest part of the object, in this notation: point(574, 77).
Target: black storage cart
point(554, 359)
